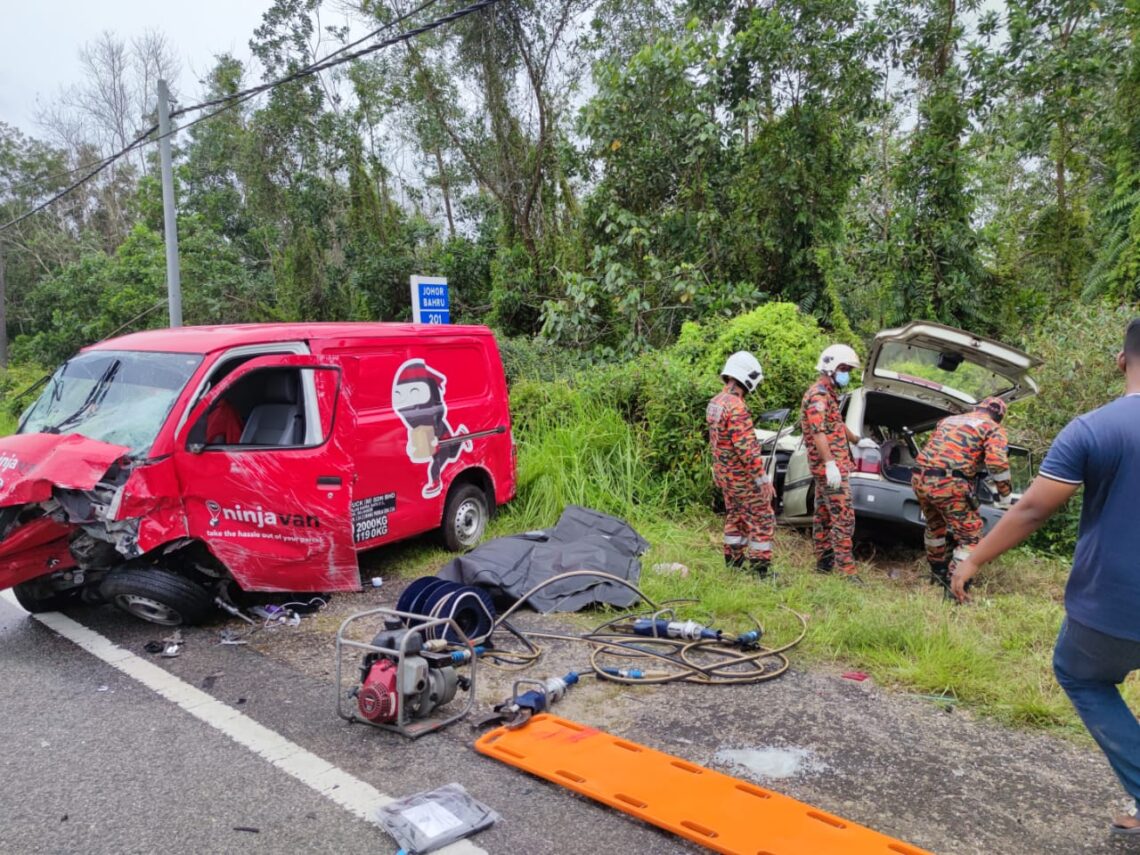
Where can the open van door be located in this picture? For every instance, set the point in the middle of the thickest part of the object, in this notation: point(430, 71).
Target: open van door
point(274, 505)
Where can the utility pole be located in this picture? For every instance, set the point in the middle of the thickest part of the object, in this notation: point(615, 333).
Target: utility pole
point(173, 278)
point(3, 306)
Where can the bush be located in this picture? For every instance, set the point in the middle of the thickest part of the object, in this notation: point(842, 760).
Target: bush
point(786, 341)
point(533, 358)
point(661, 397)
point(1079, 347)
point(15, 380)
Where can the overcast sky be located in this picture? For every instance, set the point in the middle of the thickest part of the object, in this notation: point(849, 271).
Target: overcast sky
point(42, 41)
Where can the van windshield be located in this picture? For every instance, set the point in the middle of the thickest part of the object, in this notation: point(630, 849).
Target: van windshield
point(120, 397)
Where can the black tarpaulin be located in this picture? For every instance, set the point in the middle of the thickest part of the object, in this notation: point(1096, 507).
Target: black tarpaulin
point(583, 539)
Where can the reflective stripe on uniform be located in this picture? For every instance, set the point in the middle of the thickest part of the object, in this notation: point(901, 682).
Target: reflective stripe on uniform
point(962, 553)
point(934, 541)
point(760, 545)
point(1000, 476)
point(734, 540)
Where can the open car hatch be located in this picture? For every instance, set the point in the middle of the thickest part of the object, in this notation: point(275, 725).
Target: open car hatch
point(947, 367)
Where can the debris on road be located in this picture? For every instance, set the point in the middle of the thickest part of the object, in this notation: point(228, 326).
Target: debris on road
point(428, 821)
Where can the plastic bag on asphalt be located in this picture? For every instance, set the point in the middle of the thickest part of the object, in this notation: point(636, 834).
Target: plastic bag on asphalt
point(427, 821)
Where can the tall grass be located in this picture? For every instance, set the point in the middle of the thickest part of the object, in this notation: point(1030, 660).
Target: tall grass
point(574, 450)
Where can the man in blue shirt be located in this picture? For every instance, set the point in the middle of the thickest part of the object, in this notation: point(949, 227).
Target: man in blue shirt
point(1099, 643)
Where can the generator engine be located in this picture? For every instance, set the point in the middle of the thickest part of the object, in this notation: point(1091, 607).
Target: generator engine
point(417, 683)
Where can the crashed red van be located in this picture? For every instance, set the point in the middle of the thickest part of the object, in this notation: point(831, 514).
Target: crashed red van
point(155, 469)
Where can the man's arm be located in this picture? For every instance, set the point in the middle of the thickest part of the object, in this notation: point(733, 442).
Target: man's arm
point(822, 446)
point(814, 410)
point(1043, 499)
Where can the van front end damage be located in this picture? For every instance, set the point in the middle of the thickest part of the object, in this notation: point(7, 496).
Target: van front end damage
point(58, 532)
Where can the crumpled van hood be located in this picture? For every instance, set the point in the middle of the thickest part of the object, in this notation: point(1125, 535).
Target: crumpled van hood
point(31, 464)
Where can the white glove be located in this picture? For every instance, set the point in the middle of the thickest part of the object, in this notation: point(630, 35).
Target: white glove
point(834, 478)
point(867, 442)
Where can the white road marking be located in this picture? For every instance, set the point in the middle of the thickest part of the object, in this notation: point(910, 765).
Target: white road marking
point(358, 797)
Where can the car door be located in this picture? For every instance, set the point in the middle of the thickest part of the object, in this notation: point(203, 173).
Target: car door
point(274, 506)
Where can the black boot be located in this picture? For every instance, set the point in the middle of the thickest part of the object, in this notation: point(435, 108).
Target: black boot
point(762, 567)
point(825, 563)
point(735, 563)
point(940, 574)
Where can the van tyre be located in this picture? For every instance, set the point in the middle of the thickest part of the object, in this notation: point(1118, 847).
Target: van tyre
point(37, 596)
point(465, 517)
point(157, 596)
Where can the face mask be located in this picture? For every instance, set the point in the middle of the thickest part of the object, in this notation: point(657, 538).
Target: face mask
point(842, 378)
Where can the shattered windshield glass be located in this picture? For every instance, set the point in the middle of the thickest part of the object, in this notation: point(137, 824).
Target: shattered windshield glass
point(121, 397)
point(943, 371)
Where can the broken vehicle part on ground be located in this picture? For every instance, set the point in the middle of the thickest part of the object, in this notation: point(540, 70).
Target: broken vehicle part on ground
point(156, 470)
point(915, 376)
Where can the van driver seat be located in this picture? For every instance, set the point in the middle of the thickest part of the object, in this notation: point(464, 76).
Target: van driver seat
point(278, 420)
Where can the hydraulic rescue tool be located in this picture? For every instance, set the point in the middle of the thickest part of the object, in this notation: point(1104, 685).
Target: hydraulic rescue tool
point(407, 677)
point(517, 710)
point(690, 630)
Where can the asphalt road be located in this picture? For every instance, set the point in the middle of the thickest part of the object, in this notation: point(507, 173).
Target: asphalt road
point(96, 762)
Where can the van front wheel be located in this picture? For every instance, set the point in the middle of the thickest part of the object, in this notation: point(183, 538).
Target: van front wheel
point(465, 518)
point(38, 596)
point(157, 596)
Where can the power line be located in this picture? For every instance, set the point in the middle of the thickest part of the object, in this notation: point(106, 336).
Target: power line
point(320, 64)
point(137, 143)
point(51, 178)
point(240, 97)
point(237, 98)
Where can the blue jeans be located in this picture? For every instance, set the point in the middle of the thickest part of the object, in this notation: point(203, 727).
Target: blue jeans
point(1089, 666)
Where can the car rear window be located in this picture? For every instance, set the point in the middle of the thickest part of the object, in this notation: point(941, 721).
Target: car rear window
point(943, 371)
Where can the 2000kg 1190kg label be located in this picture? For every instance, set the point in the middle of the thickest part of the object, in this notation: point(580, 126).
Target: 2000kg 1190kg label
point(370, 516)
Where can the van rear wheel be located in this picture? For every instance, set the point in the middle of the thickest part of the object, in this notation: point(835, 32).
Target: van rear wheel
point(465, 517)
point(157, 596)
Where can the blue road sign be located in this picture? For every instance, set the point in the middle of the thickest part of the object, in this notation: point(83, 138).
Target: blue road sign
point(431, 300)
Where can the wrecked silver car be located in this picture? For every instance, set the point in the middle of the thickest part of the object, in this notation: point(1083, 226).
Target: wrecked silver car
point(915, 375)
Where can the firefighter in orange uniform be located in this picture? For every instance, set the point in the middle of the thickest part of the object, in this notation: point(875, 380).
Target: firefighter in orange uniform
point(959, 447)
point(738, 469)
point(829, 455)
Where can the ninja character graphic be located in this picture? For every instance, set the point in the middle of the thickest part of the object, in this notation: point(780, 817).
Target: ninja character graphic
point(417, 398)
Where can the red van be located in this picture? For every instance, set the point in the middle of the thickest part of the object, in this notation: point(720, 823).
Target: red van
point(156, 468)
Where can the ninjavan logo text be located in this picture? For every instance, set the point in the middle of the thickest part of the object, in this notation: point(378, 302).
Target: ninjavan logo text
point(260, 517)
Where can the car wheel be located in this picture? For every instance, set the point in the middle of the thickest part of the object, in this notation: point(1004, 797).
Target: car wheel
point(157, 596)
point(465, 517)
point(37, 596)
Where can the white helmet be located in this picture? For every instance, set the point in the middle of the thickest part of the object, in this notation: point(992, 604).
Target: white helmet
point(743, 367)
point(835, 355)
